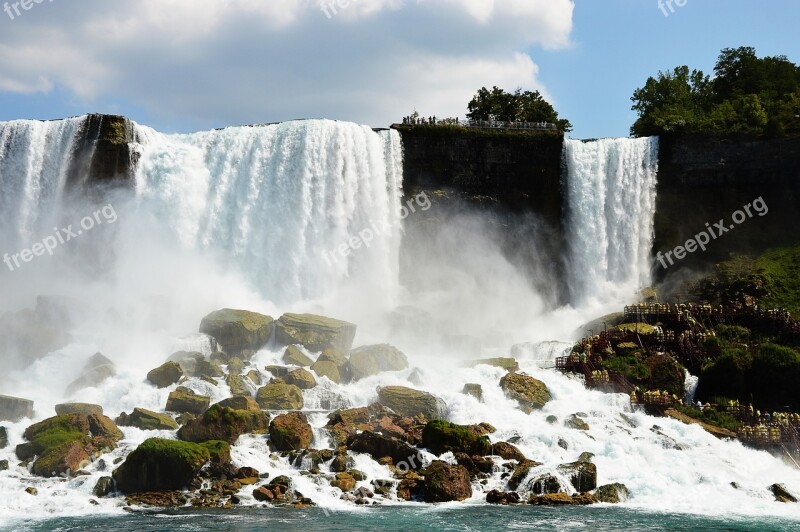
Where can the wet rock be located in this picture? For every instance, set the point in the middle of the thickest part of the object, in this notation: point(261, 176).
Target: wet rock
point(521, 472)
point(238, 385)
point(530, 393)
point(370, 360)
point(502, 497)
point(263, 494)
point(3, 465)
point(103, 487)
point(575, 422)
point(31, 491)
point(3, 437)
point(279, 372)
point(160, 465)
point(239, 403)
point(236, 366)
point(344, 481)
point(65, 444)
point(184, 400)
point(326, 368)
point(380, 446)
point(508, 364)
point(545, 484)
point(507, 451)
point(412, 403)
point(187, 360)
point(224, 424)
point(301, 378)
point(441, 436)
point(582, 474)
point(315, 333)
point(612, 493)
point(410, 489)
point(295, 357)
point(562, 499)
point(96, 370)
point(475, 390)
point(280, 397)
point(445, 482)
point(563, 444)
point(210, 369)
point(255, 377)
point(78, 408)
point(166, 375)
point(147, 420)
point(289, 432)
point(416, 377)
point(552, 419)
point(781, 493)
point(238, 330)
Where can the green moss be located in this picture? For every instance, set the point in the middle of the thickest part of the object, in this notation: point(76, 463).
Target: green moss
point(54, 432)
point(780, 269)
point(173, 451)
point(219, 451)
point(441, 436)
point(640, 328)
point(630, 366)
point(711, 416)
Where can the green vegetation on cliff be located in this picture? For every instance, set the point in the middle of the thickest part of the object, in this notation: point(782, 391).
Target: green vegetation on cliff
point(747, 95)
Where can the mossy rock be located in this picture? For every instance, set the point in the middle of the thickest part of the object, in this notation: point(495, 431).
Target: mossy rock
point(208, 369)
point(301, 378)
point(344, 481)
point(325, 368)
point(147, 420)
point(575, 422)
point(219, 451)
point(186, 401)
point(238, 386)
point(290, 432)
point(161, 465)
point(240, 403)
point(224, 424)
point(612, 493)
point(442, 436)
point(165, 375)
point(640, 328)
point(411, 403)
point(372, 359)
point(238, 330)
point(280, 397)
point(295, 357)
point(315, 333)
point(530, 393)
point(187, 360)
point(582, 474)
point(236, 366)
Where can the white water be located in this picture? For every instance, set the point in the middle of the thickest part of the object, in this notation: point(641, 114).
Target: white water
point(237, 218)
point(611, 192)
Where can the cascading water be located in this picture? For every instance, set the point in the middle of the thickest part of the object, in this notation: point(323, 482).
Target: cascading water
point(611, 192)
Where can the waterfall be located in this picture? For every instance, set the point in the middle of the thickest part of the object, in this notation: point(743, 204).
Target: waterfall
point(298, 207)
point(611, 192)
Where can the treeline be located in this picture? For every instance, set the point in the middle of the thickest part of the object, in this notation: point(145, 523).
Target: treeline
point(747, 95)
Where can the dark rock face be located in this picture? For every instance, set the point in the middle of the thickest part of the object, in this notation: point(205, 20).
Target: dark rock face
point(380, 446)
point(165, 375)
point(582, 474)
point(291, 432)
point(15, 408)
point(238, 331)
point(224, 424)
point(612, 493)
point(445, 482)
point(104, 154)
point(160, 465)
point(410, 402)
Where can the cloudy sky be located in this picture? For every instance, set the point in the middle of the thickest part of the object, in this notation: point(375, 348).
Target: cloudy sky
point(184, 65)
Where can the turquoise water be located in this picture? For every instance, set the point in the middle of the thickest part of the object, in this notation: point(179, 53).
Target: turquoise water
point(409, 519)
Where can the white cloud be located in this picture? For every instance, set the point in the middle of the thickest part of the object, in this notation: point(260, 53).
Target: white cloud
point(197, 63)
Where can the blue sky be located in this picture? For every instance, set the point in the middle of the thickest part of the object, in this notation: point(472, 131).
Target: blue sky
point(184, 65)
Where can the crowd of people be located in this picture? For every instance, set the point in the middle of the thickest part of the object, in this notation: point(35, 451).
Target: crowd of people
point(415, 120)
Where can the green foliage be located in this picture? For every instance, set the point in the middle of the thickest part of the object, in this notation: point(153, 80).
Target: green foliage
point(631, 367)
point(219, 451)
point(748, 95)
point(733, 334)
point(666, 374)
point(497, 104)
point(711, 416)
point(171, 451)
point(780, 269)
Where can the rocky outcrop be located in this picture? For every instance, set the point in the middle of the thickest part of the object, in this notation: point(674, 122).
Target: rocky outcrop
point(475, 390)
point(612, 493)
point(15, 408)
point(441, 436)
point(62, 445)
point(165, 375)
point(530, 393)
point(781, 493)
point(370, 360)
point(224, 424)
point(582, 474)
point(502, 497)
point(295, 357)
point(445, 483)
point(326, 368)
point(562, 499)
point(280, 397)
point(238, 386)
point(160, 465)
point(315, 333)
point(379, 446)
point(412, 403)
point(187, 361)
point(146, 420)
point(78, 408)
point(521, 472)
point(290, 432)
point(301, 378)
point(3, 437)
point(507, 451)
point(238, 331)
point(184, 400)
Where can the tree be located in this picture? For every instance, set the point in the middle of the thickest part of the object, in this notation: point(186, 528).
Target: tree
point(499, 105)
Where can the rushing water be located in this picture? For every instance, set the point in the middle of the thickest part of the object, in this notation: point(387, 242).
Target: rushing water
point(239, 218)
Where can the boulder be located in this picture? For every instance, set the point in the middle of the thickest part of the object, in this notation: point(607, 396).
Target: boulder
point(372, 359)
point(562, 499)
point(184, 400)
point(236, 366)
point(187, 360)
point(475, 390)
point(521, 472)
point(78, 408)
point(255, 377)
point(3, 465)
point(3, 437)
point(160, 465)
point(279, 372)
point(412, 403)
point(575, 422)
point(545, 484)
point(379, 446)
point(507, 451)
point(502, 497)
point(280, 397)
point(104, 487)
point(344, 481)
point(612, 493)
point(445, 483)
point(530, 393)
point(239, 403)
point(508, 364)
point(238, 385)
point(14, 408)
point(210, 369)
point(238, 330)
point(96, 370)
point(290, 432)
point(263, 494)
point(416, 377)
point(441, 436)
point(165, 375)
point(315, 333)
point(781, 493)
point(224, 424)
point(65, 444)
point(325, 368)
point(301, 378)
point(582, 474)
point(146, 420)
point(295, 357)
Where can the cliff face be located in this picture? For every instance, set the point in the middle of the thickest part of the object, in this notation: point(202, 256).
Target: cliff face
point(704, 179)
point(104, 154)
